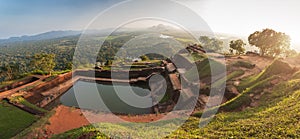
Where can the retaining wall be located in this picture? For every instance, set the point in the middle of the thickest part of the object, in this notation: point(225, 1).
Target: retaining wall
point(19, 83)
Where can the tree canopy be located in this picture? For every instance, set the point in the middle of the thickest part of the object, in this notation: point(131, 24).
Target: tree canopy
point(211, 43)
point(270, 42)
point(144, 58)
point(44, 62)
point(238, 46)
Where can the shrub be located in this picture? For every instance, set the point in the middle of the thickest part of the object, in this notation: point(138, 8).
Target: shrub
point(244, 64)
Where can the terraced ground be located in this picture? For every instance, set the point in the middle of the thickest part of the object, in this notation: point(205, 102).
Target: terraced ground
point(276, 117)
point(267, 107)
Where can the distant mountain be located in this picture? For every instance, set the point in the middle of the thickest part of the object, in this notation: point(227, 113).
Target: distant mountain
point(162, 28)
point(43, 36)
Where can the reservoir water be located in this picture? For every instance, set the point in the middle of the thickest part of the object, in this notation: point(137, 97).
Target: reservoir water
point(104, 97)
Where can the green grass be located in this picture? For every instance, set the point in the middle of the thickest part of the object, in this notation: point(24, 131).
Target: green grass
point(232, 75)
point(296, 75)
point(19, 99)
point(194, 57)
point(54, 73)
point(13, 120)
point(40, 72)
point(125, 130)
point(240, 100)
point(35, 127)
point(244, 98)
point(27, 88)
point(277, 67)
point(204, 69)
point(244, 64)
point(277, 118)
point(6, 83)
point(277, 115)
point(50, 78)
point(235, 74)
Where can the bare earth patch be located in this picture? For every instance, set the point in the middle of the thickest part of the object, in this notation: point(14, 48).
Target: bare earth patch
point(64, 119)
point(67, 118)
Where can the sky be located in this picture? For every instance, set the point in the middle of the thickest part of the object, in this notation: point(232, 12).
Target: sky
point(237, 17)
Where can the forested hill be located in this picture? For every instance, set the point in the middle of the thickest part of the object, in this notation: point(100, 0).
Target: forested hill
point(43, 36)
point(16, 52)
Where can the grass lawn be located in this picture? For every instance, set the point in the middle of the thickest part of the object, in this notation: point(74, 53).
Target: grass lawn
point(13, 120)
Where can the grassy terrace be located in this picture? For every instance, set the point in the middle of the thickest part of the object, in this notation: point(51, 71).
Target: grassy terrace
point(204, 69)
point(13, 120)
point(277, 67)
point(21, 100)
point(269, 120)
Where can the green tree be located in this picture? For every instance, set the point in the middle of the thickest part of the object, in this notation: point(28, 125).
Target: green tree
point(270, 42)
point(144, 58)
point(211, 43)
point(44, 62)
point(10, 71)
point(238, 46)
point(108, 63)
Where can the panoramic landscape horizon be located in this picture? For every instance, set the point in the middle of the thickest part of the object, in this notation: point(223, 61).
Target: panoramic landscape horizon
point(74, 69)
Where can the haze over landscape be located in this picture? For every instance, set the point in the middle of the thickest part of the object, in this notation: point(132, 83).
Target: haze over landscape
point(85, 69)
point(231, 17)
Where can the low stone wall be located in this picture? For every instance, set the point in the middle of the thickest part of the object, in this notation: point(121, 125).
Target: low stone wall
point(44, 94)
point(58, 80)
point(18, 83)
point(119, 74)
point(28, 109)
point(35, 96)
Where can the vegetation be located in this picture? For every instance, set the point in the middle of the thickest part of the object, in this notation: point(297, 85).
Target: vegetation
point(204, 69)
point(252, 84)
point(43, 62)
point(277, 67)
point(238, 46)
point(244, 64)
point(270, 42)
point(21, 100)
point(269, 120)
point(144, 58)
point(211, 43)
point(13, 120)
point(229, 77)
point(36, 127)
